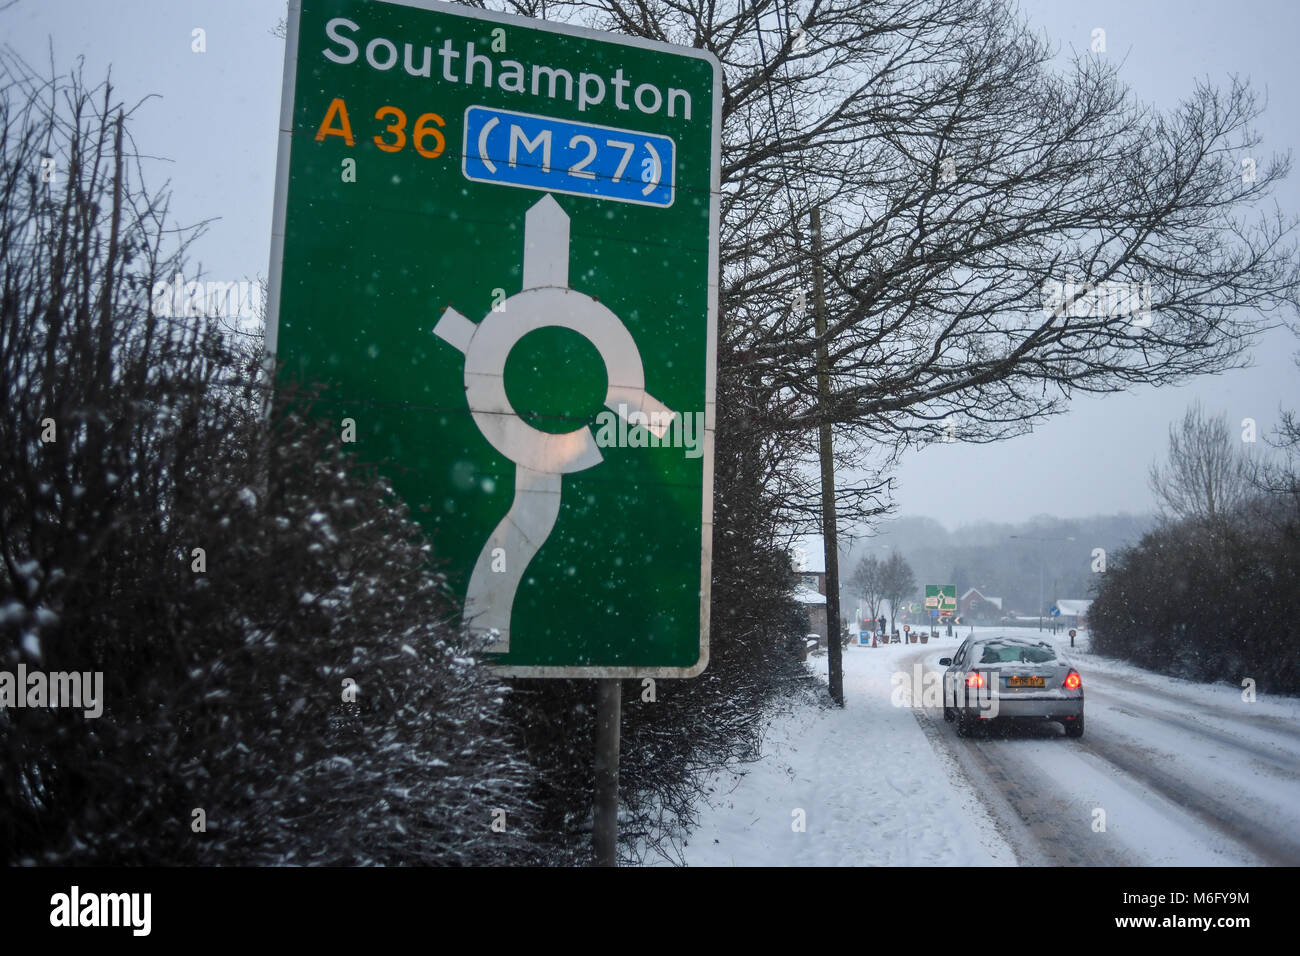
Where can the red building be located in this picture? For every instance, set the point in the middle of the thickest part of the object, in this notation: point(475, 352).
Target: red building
point(976, 608)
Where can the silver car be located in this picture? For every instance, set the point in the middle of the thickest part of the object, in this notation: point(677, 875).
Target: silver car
point(1011, 678)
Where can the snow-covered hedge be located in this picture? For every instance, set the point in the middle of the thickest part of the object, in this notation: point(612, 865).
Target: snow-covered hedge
point(283, 680)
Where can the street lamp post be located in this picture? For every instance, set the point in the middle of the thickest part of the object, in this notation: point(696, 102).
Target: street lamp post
point(1041, 541)
point(1056, 591)
point(1040, 588)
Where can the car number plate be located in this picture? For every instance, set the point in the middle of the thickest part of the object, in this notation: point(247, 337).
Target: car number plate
point(1025, 682)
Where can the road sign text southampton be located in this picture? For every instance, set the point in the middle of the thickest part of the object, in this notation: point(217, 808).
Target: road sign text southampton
point(496, 239)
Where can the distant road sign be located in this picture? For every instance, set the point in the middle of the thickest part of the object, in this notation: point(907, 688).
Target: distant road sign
point(1056, 611)
point(941, 600)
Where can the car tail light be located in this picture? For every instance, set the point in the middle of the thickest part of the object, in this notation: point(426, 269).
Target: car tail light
point(1073, 681)
point(975, 679)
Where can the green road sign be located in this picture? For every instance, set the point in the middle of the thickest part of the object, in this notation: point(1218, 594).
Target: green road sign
point(941, 598)
point(496, 239)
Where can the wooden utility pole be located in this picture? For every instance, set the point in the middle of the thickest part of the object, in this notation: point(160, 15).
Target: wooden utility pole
point(829, 538)
point(609, 708)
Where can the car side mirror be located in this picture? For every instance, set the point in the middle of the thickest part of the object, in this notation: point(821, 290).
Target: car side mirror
point(945, 661)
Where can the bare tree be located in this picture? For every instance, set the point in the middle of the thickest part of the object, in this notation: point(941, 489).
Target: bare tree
point(868, 580)
point(1206, 474)
point(998, 232)
point(1281, 475)
point(897, 582)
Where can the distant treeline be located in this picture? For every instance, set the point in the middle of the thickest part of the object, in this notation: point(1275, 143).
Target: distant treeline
point(987, 557)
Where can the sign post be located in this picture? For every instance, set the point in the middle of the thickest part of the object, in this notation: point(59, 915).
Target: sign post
point(495, 240)
point(941, 602)
point(609, 713)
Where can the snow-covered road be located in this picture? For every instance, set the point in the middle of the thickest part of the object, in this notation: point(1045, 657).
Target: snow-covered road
point(1168, 773)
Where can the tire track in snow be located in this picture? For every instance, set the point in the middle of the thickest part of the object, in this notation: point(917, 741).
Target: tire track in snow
point(1016, 793)
point(1269, 723)
point(1287, 763)
point(1019, 802)
point(1274, 847)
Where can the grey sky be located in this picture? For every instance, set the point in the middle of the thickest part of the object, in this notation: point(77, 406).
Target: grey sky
point(215, 123)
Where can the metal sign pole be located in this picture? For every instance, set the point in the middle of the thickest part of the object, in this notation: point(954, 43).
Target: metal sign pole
point(609, 712)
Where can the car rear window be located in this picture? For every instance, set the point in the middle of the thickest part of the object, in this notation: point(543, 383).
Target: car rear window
point(1017, 654)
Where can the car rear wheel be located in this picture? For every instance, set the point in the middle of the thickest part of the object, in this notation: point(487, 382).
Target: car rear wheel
point(965, 726)
point(1074, 728)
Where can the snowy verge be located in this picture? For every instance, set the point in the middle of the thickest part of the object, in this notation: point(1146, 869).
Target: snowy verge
point(863, 781)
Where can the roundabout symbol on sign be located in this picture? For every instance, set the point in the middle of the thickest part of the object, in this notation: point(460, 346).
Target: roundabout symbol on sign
point(541, 458)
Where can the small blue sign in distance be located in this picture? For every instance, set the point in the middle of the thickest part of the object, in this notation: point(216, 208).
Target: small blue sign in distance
point(561, 156)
